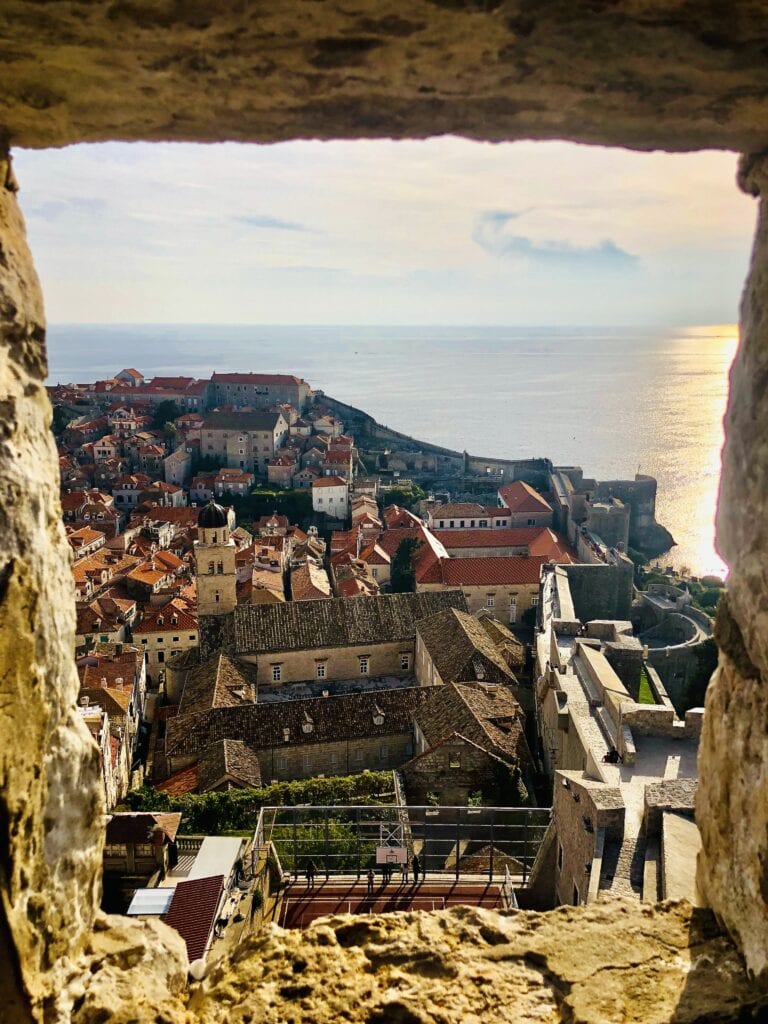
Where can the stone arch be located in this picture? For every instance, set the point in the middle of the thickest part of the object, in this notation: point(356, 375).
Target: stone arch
point(644, 76)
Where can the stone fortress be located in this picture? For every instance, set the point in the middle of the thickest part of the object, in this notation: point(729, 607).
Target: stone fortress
point(645, 76)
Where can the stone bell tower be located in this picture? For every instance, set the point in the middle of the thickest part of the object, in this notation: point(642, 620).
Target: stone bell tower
point(215, 561)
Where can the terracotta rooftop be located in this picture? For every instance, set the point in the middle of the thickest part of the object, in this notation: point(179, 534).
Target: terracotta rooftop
point(160, 619)
point(255, 378)
point(329, 481)
point(216, 683)
point(309, 582)
point(491, 571)
point(181, 782)
point(521, 497)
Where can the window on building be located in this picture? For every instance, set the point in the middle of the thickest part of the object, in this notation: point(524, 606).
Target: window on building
point(451, 523)
point(144, 850)
point(490, 600)
point(220, 567)
point(374, 572)
point(192, 636)
point(534, 600)
point(143, 639)
point(175, 639)
point(483, 522)
point(160, 657)
point(531, 522)
point(277, 673)
point(405, 662)
point(454, 759)
point(559, 856)
point(160, 640)
point(217, 596)
point(115, 850)
point(282, 763)
point(307, 762)
point(512, 609)
point(358, 755)
point(364, 665)
point(383, 752)
point(320, 671)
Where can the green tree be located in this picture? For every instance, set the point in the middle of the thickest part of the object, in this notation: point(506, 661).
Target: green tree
point(405, 498)
point(166, 411)
point(403, 576)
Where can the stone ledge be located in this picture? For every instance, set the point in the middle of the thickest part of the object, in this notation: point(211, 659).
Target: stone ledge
point(644, 74)
point(612, 962)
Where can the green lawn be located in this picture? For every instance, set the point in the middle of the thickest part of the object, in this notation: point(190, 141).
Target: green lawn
point(646, 694)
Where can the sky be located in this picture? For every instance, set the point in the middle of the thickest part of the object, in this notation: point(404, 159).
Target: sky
point(444, 231)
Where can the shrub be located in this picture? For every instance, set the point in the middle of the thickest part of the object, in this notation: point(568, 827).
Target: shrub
point(712, 582)
point(237, 810)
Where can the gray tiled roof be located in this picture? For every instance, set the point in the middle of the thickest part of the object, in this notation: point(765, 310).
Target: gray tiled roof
point(342, 622)
point(462, 649)
point(228, 758)
point(487, 715)
point(332, 719)
point(216, 683)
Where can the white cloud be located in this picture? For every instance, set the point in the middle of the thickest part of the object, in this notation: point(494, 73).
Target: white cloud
point(376, 232)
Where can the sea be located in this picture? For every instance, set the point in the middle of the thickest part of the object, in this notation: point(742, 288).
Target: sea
point(615, 401)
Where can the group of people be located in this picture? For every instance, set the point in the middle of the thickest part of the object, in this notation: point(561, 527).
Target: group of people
point(388, 870)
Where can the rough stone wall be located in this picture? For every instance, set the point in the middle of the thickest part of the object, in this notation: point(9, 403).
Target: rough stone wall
point(644, 74)
point(732, 801)
point(641, 73)
point(601, 591)
point(51, 796)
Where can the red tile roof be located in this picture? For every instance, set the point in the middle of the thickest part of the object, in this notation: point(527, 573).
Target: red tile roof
point(329, 481)
point(521, 497)
point(537, 540)
point(160, 619)
point(494, 571)
point(193, 912)
point(181, 782)
point(255, 378)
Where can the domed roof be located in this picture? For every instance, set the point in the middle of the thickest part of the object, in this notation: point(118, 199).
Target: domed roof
point(212, 516)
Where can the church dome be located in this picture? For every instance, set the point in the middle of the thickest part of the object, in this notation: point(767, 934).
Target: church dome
point(212, 516)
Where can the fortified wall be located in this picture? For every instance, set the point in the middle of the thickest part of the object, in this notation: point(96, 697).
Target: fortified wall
point(448, 462)
point(646, 76)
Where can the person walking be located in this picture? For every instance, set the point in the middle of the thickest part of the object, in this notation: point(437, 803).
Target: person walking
point(416, 865)
point(370, 881)
point(311, 869)
point(405, 871)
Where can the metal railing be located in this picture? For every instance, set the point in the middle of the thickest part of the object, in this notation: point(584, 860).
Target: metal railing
point(460, 842)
